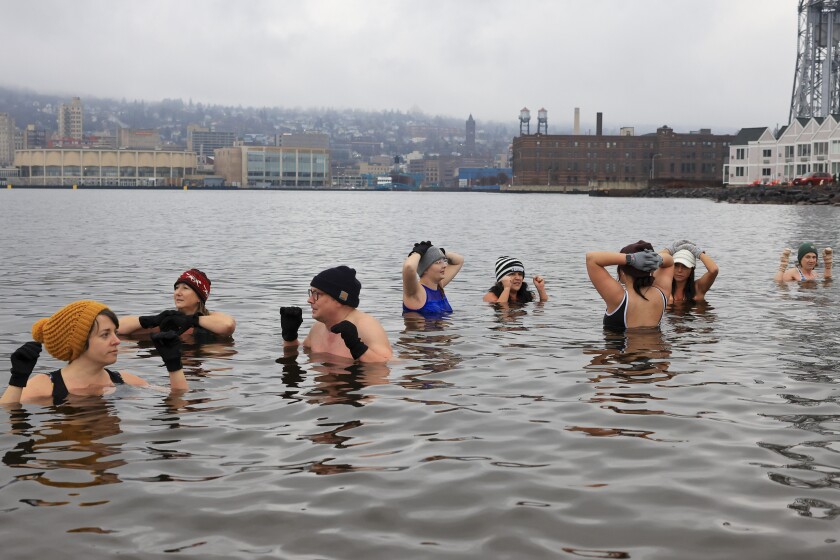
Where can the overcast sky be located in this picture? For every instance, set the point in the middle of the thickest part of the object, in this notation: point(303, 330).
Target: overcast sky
point(723, 64)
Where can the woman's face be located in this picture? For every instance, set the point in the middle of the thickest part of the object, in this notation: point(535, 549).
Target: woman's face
point(516, 279)
point(681, 272)
point(437, 270)
point(809, 261)
point(103, 342)
point(186, 299)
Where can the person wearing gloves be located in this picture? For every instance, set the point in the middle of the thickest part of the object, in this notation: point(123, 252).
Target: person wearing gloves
point(426, 272)
point(649, 273)
point(806, 259)
point(192, 289)
point(83, 334)
point(684, 288)
point(510, 284)
point(340, 328)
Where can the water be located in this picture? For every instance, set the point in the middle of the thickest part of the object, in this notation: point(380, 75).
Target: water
point(520, 434)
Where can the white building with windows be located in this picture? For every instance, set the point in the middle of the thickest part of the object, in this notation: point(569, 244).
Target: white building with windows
point(806, 145)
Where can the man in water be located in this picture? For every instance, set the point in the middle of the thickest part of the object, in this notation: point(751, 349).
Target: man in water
point(340, 328)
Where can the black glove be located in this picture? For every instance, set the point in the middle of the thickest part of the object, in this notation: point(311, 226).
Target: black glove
point(290, 321)
point(168, 345)
point(420, 248)
point(152, 321)
point(350, 335)
point(23, 362)
point(179, 322)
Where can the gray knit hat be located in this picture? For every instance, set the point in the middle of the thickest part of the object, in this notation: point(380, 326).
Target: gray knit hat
point(431, 256)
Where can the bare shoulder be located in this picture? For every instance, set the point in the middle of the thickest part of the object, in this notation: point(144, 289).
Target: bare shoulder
point(38, 386)
point(132, 379)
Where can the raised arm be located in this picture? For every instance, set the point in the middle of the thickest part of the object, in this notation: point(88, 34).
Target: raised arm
point(456, 261)
point(168, 345)
point(664, 275)
point(827, 256)
point(705, 282)
point(23, 362)
point(783, 274)
point(539, 284)
point(610, 289)
point(412, 289)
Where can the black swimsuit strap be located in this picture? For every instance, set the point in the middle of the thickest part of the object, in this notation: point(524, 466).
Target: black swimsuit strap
point(60, 392)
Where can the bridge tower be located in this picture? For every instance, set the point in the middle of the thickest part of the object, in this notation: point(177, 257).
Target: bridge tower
point(816, 83)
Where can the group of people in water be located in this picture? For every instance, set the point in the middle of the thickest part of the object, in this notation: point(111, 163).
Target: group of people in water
point(85, 333)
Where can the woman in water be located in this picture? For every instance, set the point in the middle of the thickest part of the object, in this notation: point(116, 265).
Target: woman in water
point(510, 284)
point(806, 259)
point(684, 287)
point(650, 275)
point(426, 271)
point(192, 289)
point(83, 334)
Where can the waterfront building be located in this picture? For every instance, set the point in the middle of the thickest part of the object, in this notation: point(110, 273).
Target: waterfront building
point(70, 129)
point(101, 167)
point(273, 166)
point(478, 178)
point(139, 139)
point(33, 137)
point(316, 140)
point(204, 141)
point(7, 139)
point(806, 145)
point(582, 160)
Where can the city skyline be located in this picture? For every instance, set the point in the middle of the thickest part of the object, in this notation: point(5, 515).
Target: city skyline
point(652, 62)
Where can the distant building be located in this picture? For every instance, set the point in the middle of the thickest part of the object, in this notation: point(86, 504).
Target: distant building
point(544, 159)
point(90, 166)
point(33, 137)
point(806, 145)
point(204, 141)
point(138, 139)
point(273, 166)
point(70, 122)
point(7, 139)
point(317, 140)
point(469, 144)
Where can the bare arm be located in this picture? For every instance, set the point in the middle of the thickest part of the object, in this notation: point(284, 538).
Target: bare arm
point(539, 283)
point(456, 261)
point(379, 347)
point(413, 294)
point(705, 283)
point(217, 322)
point(610, 289)
point(664, 275)
point(131, 325)
point(827, 257)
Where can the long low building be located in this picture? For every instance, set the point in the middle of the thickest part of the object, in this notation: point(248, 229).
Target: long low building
point(274, 166)
point(98, 167)
point(806, 145)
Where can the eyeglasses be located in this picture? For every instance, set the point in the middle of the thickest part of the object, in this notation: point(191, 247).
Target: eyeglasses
point(443, 260)
point(314, 294)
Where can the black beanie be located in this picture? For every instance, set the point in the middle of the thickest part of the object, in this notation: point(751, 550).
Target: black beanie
point(340, 283)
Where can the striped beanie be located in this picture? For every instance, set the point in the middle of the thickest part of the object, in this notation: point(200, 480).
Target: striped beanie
point(65, 334)
point(505, 265)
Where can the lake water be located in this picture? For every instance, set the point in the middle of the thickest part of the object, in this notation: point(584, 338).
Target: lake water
point(525, 433)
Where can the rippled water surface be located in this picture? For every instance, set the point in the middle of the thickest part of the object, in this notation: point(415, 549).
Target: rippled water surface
point(525, 433)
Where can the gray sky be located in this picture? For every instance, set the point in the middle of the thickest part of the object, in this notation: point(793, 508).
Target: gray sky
point(723, 64)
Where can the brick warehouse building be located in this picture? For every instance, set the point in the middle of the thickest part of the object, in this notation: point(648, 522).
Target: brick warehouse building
point(575, 160)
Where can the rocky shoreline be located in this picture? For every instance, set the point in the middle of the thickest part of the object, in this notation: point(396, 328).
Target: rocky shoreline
point(824, 195)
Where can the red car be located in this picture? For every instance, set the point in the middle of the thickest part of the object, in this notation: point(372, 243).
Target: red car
point(815, 178)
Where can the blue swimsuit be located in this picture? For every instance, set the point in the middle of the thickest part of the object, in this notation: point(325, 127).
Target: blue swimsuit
point(436, 304)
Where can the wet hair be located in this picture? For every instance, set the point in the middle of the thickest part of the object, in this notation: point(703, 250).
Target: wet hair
point(523, 295)
point(689, 286)
point(95, 326)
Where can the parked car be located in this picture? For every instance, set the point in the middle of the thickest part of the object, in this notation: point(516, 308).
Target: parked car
point(815, 178)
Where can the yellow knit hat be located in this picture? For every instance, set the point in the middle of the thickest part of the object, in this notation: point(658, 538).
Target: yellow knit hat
point(65, 334)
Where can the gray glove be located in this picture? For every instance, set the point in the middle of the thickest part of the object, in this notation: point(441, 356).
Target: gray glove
point(646, 261)
point(691, 248)
point(677, 245)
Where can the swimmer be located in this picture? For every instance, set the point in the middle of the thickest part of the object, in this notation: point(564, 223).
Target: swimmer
point(340, 328)
point(510, 284)
point(806, 259)
point(83, 334)
point(649, 273)
point(684, 288)
point(426, 272)
point(192, 289)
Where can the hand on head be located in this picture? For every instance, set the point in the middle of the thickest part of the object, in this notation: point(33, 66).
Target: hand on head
point(646, 261)
point(420, 248)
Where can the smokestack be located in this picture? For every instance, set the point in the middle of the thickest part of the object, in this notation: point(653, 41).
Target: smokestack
point(577, 121)
point(599, 124)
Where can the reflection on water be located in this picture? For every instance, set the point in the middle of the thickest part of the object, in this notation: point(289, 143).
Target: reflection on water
point(70, 438)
